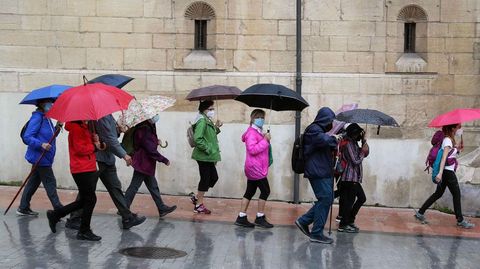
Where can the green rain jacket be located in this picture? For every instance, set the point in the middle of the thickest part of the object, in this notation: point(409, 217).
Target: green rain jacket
point(205, 136)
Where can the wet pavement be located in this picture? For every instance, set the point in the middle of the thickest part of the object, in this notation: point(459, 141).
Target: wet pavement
point(390, 238)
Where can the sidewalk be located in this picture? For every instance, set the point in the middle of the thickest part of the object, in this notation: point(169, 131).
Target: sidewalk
point(370, 219)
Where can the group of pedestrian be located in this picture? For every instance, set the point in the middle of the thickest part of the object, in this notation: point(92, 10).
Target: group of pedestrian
point(322, 153)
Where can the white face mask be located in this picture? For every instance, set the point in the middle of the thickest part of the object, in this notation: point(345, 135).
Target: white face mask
point(211, 114)
point(459, 132)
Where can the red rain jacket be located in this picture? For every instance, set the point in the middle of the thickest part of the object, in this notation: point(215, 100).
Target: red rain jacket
point(80, 148)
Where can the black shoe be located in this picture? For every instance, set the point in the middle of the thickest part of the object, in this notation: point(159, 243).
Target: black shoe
point(134, 220)
point(52, 221)
point(26, 212)
point(321, 239)
point(243, 221)
point(262, 222)
point(303, 228)
point(88, 235)
point(166, 210)
point(73, 224)
point(347, 229)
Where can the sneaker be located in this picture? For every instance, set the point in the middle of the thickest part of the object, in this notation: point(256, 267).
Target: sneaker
point(134, 220)
point(419, 216)
point(88, 235)
point(26, 212)
point(321, 239)
point(303, 228)
point(73, 224)
point(52, 221)
point(338, 218)
point(347, 229)
point(354, 226)
point(193, 198)
point(465, 224)
point(243, 221)
point(262, 222)
point(166, 210)
point(201, 209)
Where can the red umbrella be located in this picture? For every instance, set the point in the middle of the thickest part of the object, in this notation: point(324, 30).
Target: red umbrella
point(89, 102)
point(459, 115)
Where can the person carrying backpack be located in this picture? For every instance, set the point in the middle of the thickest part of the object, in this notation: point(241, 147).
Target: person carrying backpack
point(446, 177)
point(352, 196)
point(144, 163)
point(206, 153)
point(318, 150)
point(38, 132)
point(256, 170)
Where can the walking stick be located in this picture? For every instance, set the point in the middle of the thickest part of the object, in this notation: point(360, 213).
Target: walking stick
point(34, 167)
point(333, 189)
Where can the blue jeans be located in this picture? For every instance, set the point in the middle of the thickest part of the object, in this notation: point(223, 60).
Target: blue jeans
point(318, 214)
point(43, 174)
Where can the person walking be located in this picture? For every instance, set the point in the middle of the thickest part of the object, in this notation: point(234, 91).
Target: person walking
point(106, 128)
point(206, 153)
point(352, 196)
point(38, 133)
point(446, 177)
point(81, 148)
point(144, 164)
point(257, 146)
point(318, 152)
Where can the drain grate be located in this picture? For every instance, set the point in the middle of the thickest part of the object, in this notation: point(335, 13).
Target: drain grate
point(153, 252)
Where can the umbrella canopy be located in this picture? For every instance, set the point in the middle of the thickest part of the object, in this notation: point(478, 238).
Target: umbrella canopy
point(89, 102)
point(368, 116)
point(52, 91)
point(141, 110)
point(272, 96)
point(338, 125)
point(459, 115)
point(214, 92)
point(114, 80)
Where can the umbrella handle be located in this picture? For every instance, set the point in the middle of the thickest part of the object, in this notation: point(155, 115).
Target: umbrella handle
point(85, 80)
point(164, 146)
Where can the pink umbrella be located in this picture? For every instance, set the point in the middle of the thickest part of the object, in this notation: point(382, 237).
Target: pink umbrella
point(338, 125)
point(459, 115)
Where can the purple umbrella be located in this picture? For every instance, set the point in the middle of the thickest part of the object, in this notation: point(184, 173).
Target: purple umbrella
point(214, 92)
point(338, 125)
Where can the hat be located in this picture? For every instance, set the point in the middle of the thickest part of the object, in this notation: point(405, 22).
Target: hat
point(353, 130)
point(204, 105)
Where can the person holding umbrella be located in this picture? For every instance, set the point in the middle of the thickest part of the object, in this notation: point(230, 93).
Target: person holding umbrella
point(256, 169)
point(39, 131)
point(446, 177)
point(82, 145)
point(206, 153)
point(318, 151)
point(144, 164)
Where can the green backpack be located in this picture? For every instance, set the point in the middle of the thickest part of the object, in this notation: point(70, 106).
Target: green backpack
point(128, 142)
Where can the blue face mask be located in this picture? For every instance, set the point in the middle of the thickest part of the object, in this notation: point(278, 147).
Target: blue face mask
point(155, 119)
point(47, 106)
point(259, 122)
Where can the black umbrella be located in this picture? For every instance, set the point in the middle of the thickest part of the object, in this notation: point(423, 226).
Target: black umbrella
point(214, 92)
point(367, 116)
point(114, 80)
point(272, 96)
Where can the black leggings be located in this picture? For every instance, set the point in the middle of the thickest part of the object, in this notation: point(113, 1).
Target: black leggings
point(252, 186)
point(449, 179)
point(352, 197)
point(208, 175)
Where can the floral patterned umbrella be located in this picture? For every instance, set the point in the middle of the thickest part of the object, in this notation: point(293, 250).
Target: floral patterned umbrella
point(144, 109)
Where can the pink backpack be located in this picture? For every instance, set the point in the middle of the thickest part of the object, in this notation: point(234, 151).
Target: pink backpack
point(436, 141)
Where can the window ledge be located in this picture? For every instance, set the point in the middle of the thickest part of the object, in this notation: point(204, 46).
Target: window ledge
point(411, 63)
point(199, 59)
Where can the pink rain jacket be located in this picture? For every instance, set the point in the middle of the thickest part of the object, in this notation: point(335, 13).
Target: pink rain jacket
point(256, 162)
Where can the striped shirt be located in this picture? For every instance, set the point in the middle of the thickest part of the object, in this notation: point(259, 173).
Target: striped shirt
point(353, 155)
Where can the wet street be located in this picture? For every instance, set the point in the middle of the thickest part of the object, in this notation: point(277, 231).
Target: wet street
point(28, 243)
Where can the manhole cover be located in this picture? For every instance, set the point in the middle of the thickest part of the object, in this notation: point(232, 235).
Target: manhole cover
point(153, 252)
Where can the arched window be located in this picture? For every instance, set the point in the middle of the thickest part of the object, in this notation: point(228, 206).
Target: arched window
point(411, 15)
point(201, 13)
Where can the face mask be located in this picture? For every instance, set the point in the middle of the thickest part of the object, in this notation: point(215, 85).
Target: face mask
point(155, 119)
point(47, 106)
point(459, 132)
point(259, 122)
point(211, 114)
point(329, 127)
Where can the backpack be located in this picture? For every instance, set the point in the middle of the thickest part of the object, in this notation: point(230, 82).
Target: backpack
point(340, 161)
point(22, 132)
point(190, 133)
point(128, 141)
point(436, 165)
point(436, 142)
point(298, 158)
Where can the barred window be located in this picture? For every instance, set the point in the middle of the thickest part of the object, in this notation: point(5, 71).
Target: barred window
point(200, 35)
point(409, 37)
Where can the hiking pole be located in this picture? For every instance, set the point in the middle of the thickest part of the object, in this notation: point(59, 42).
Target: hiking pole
point(34, 167)
point(333, 189)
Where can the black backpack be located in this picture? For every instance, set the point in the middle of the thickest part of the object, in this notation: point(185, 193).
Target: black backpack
point(22, 132)
point(298, 158)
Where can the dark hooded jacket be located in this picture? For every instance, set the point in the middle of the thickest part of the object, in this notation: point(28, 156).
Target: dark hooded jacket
point(318, 146)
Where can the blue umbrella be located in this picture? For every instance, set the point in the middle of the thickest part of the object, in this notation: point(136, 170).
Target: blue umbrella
point(49, 92)
point(114, 80)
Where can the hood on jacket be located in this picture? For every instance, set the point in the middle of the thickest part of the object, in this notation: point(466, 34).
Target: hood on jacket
point(325, 116)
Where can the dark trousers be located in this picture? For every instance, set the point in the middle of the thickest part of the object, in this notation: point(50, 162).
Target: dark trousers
point(449, 179)
point(86, 184)
point(208, 175)
point(43, 174)
point(252, 186)
point(108, 176)
point(152, 186)
point(352, 197)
